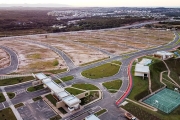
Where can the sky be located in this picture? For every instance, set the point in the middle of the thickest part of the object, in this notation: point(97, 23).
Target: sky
point(101, 3)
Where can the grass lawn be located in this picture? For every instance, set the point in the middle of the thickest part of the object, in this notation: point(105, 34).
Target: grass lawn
point(104, 70)
point(57, 117)
point(74, 91)
point(140, 87)
point(56, 71)
point(100, 112)
point(51, 99)
point(57, 81)
point(7, 114)
point(37, 98)
point(35, 88)
point(2, 98)
point(93, 96)
point(18, 105)
point(85, 86)
point(12, 81)
point(67, 78)
point(115, 85)
point(173, 65)
point(145, 114)
point(11, 95)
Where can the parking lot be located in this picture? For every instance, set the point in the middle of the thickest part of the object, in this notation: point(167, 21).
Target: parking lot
point(38, 110)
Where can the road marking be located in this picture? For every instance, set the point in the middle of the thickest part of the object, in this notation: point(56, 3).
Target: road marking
point(3, 105)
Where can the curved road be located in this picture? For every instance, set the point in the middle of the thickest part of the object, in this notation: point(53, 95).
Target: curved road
point(114, 113)
point(13, 61)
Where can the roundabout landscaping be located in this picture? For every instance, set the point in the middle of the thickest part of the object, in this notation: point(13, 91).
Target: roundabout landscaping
point(105, 70)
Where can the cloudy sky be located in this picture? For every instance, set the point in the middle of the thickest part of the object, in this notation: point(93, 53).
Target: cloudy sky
point(100, 3)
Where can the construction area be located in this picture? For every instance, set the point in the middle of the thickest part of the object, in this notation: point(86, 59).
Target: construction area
point(4, 59)
point(81, 47)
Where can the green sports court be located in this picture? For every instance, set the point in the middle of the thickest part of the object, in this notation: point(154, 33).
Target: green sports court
point(165, 100)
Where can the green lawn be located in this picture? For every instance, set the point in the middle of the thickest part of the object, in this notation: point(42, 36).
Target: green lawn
point(115, 85)
point(12, 81)
point(11, 95)
point(100, 112)
point(18, 105)
point(173, 65)
point(140, 87)
point(74, 91)
point(93, 96)
point(56, 71)
point(35, 88)
point(7, 114)
point(37, 98)
point(51, 99)
point(145, 114)
point(104, 70)
point(2, 98)
point(57, 81)
point(67, 78)
point(85, 86)
point(57, 117)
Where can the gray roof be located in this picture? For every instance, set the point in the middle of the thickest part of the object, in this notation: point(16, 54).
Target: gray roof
point(40, 76)
point(141, 68)
point(91, 117)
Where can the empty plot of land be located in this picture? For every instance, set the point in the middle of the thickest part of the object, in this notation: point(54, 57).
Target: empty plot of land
point(78, 53)
point(4, 59)
point(34, 57)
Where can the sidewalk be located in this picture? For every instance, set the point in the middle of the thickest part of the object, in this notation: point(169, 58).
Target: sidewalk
point(16, 113)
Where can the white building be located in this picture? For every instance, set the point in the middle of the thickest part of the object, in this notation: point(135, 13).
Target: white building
point(91, 117)
point(163, 54)
point(141, 70)
point(70, 100)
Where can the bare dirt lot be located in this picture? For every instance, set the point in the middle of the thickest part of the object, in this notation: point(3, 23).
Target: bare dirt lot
point(78, 46)
point(34, 58)
point(4, 59)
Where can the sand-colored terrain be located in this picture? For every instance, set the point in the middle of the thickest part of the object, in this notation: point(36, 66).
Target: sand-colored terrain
point(4, 59)
point(34, 58)
point(79, 46)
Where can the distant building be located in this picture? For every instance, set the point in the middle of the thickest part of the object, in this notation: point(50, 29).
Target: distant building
point(163, 54)
point(91, 117)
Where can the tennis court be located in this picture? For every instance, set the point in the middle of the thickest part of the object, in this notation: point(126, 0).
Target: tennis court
point(166, 100)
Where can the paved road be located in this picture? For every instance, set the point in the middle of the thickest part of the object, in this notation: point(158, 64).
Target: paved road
point(108, 101)
point(13, 62)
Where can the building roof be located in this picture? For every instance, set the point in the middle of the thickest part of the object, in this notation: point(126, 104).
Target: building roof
point(52, 85)
point(162, 53)
point(63, 94)
point(145, 61)
point(141, 68)
point(40, 76)
point(71, 100)
point(91, 117)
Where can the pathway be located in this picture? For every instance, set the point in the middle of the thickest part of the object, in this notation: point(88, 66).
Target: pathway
point(16, 113)
point(169, 74)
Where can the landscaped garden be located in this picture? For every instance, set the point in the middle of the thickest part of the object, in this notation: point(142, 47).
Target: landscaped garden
point(105, 70)
point(85, 86)
point(7, 114)
point(12, 81)
point(74, 91)
point(2, 98)
point(113, 86)
point(35, 88)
